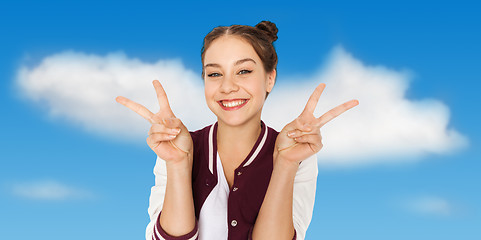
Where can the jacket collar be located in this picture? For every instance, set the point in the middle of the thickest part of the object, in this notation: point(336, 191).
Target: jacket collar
point(250, 157)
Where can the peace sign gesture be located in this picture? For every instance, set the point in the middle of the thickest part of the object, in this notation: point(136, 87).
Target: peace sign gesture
point(168, 137)
point(301, 138)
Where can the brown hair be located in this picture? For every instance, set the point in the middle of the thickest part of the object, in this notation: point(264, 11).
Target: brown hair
point(261, 37)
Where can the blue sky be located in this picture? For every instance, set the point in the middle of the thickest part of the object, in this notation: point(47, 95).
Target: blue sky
point(101, 179)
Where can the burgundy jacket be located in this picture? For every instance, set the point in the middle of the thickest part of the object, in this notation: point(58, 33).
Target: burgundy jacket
point(246, 195)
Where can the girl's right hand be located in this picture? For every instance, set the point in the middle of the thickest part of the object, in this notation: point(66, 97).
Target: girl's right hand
point(168, 137)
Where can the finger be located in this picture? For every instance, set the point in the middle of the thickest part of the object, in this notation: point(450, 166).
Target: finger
point(162, 97)
point(314, 141)
point(161, 128)
point(297, 133)
point(314, 98)
point(333, 113)
point(138, 108)
point(309, 138)
point(156, 138)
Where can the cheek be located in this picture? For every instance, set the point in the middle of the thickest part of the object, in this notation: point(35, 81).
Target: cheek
point(209, 90)
point(257, 89)
point(261, 85)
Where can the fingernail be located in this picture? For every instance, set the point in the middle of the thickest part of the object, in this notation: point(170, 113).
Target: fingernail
point(171, 136)
point(290, 134)
point(176, 130)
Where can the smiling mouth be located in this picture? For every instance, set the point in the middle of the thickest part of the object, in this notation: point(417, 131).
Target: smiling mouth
point(232, 104)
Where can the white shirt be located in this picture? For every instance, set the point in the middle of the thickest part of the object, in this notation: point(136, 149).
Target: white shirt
point(213, 214)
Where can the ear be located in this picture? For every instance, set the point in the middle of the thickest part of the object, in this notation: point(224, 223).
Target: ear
point(271, 80)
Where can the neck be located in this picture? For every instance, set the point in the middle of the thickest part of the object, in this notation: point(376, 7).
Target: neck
point(237, 138)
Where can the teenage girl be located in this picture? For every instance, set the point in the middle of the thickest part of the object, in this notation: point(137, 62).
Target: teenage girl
point(238, 178)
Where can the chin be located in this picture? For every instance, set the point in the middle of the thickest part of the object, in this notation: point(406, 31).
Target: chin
point(235, 121)
point(231, 121)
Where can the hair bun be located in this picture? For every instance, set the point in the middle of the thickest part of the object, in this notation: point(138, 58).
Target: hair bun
point(269, 28)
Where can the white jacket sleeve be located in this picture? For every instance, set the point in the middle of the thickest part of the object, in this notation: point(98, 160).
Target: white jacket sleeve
point(157, 194)
point(304, 195)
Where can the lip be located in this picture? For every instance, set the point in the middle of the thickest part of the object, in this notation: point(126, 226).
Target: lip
point(232, 108)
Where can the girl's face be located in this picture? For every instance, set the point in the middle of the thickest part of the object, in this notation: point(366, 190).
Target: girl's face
point(235, 81)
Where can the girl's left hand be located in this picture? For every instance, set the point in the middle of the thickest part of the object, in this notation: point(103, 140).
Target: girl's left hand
point(301, 138)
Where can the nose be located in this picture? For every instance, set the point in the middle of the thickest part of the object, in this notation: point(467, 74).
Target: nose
point(228, 85)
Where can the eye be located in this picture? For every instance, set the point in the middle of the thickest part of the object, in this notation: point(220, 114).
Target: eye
point(214, 75)
point(245, 71)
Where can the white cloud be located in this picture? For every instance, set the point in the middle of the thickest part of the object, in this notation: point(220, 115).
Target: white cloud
point(386, 126)
point(82, 88)
point(48, 190)
point(430, 205)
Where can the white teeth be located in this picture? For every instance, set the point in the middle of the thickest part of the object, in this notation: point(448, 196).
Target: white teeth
point(233, 103)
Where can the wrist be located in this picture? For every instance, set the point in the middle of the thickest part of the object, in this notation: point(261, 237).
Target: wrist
point(285, 165)
point(182, 165)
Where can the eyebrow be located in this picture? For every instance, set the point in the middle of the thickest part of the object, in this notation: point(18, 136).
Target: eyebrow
point(238, 62)
point(244, 60)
